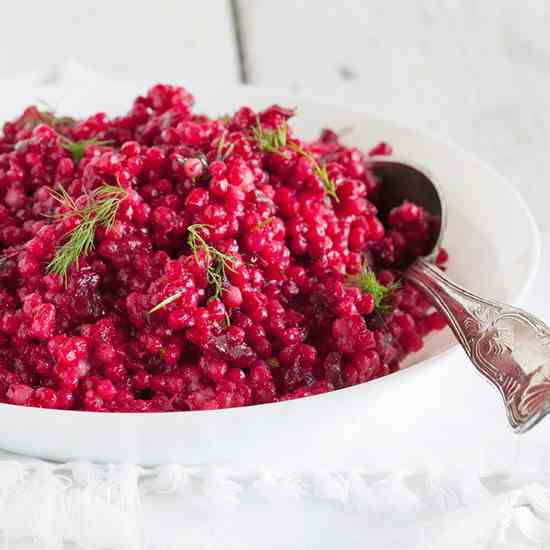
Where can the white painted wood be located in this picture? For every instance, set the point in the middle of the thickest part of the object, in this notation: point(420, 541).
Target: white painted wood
point(162, 39)
point(477, 72)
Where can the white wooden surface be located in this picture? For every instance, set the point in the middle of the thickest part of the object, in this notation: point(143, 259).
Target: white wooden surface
point(476, 72)
point(163, 39)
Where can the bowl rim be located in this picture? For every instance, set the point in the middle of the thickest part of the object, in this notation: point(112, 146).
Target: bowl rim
point(466, 155)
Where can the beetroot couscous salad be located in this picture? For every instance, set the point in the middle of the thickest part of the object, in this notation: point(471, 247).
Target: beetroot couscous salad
point(168, 261)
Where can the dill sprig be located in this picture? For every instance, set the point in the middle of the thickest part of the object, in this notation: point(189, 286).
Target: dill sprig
point(99, 210)
point(265, 222)
point(219, 147)
point(270, 141)
point(273, 362)
point(78, 148)
point(367, 282)
point(216, 262)
point(220, 154)
point(166, 302)
point(320, 170)
point(35, 116)
point(49, 116)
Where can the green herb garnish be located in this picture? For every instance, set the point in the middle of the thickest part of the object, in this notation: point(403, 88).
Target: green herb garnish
point(99, 210)
point(226, 320)
point(320, 170)
point(265, 222)
point(35, 116)
point(220, 155)
point(270, 141)
point(273, 362)
point(367, 282)
point(78, 148)
point(216, 262)
point(164, 303)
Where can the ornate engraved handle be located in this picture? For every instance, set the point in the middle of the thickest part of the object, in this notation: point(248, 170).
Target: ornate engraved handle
point(507, 345)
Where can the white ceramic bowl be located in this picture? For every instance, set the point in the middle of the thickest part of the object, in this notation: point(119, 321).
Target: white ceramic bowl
point(494, 249)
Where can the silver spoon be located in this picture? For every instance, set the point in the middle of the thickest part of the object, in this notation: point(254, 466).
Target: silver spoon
point(508, 346)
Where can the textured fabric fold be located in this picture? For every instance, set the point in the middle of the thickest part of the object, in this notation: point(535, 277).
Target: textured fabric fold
point(97, 507)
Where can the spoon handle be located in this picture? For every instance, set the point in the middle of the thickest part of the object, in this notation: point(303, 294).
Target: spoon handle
point(507, 345)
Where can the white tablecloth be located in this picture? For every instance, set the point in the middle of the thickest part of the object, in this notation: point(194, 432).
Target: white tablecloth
point(501, 500)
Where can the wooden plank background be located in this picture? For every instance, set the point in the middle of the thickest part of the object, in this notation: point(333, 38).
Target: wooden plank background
point(476, 72)
point(122, 38)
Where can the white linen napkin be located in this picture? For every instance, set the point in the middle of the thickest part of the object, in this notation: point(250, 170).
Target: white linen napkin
point(45, 505)
point(500, 501)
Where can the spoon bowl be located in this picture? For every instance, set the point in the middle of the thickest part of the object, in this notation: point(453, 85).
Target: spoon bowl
point(508, 346)
point(404, 181)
